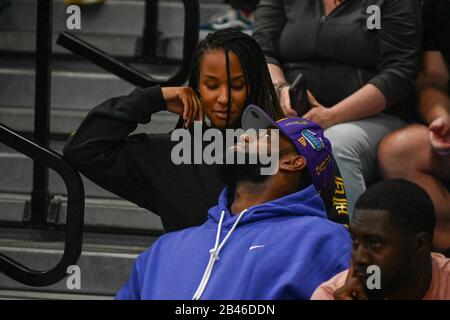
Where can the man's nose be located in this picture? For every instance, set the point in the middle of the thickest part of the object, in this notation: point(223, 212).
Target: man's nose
point(361, 256)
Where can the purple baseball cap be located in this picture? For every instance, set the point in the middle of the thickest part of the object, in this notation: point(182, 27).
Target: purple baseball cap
point(307, 137)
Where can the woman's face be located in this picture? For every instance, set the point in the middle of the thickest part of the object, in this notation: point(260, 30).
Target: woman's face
point(213, 87)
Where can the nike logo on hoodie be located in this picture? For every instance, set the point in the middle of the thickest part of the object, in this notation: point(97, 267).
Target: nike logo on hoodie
point(256, 247)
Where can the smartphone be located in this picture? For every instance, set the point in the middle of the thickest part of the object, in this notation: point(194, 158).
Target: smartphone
point(298, 95)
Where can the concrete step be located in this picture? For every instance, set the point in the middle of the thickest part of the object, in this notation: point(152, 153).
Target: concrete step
point(42, 295)
point(64, 122)
point(113, 17)
point(113, 214)
point(114, 27)
point(104, 268)
point(17, 172)
point(77, 87)
point(22, 119)
point(116, 45)
point(71, 89)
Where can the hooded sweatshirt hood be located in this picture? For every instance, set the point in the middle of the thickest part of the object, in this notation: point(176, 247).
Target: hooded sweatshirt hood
point(306, 202)
point(282, 249)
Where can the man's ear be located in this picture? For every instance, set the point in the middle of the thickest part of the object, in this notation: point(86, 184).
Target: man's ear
point(292, 162)
point(422, 243)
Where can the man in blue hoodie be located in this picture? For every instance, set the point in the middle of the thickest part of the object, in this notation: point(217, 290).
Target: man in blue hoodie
point(267, 238)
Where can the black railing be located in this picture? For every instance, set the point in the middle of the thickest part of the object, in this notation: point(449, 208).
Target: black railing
point(130, 74)
point(150, 34)
point(45, 158)
point(75, 213)
point(40, 195)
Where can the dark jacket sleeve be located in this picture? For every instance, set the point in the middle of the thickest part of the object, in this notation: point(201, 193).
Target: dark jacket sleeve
point(102, 150)
point(269, 23)
point(400, 43)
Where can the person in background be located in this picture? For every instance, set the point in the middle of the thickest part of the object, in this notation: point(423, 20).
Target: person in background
point(267, 238)
point(239, 15)
point(392, 229)
point(421, 152)
point(361, 78)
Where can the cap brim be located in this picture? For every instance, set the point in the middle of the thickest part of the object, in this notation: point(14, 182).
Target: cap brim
point(255, 118)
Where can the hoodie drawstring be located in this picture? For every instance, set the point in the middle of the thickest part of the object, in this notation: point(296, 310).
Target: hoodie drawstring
point(215, 254)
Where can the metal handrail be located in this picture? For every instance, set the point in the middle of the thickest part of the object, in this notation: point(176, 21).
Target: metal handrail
point(75, 213)
point(130, 74)
point(50, 159)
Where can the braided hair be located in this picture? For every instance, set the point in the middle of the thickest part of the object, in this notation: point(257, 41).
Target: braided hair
point(259, 87)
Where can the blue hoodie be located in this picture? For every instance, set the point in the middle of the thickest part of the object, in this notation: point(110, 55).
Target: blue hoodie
point(283, 249)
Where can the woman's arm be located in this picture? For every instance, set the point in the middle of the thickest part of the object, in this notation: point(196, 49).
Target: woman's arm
point(103, 150)
point(400, 45)
point(282, 89)
point(368, 96)
point(269, 23)
point(348, 109)
point(276, 73)
point(127, 165)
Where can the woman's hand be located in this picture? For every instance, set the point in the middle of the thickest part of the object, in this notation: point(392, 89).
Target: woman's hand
point(183, 101)
point(319, 114)
point(285, 103)
point(440, 135)
point(282, 89)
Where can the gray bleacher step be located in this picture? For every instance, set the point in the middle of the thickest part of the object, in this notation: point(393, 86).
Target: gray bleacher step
point(113, 17)
point(42, 295)
point(72, 87)
point(66, 121)
point(158, 69)
point(116, 45)
point(70, 90)
point(19, 170)
point(22, 119)
point(115, 27)
point(98, 213)
point(74, 93)
point(104, 269)
point(18, 175)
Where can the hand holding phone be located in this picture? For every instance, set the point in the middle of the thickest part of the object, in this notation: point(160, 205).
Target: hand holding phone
point(298, 95)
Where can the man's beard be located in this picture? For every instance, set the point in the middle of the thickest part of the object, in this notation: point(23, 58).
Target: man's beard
point(234, 173)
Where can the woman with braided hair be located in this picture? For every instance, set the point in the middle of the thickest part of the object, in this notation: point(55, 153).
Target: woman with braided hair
point(228, 73)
